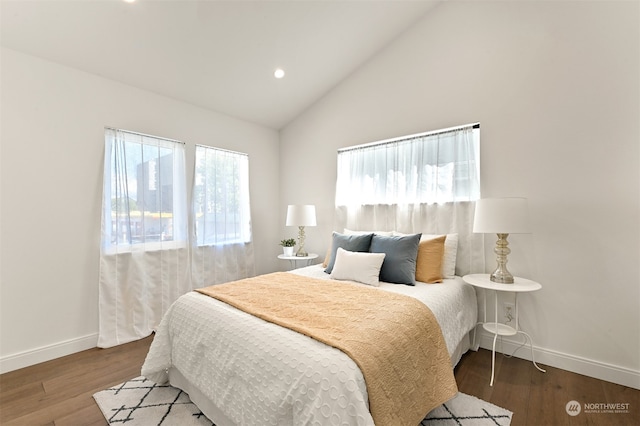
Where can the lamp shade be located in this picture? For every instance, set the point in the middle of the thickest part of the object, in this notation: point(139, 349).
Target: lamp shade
point(501, 216)
point(301, 215)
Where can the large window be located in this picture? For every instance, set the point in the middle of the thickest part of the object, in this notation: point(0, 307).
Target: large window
point(221, 197)
point(153, 251)
point(433, 167)
point(144, 191)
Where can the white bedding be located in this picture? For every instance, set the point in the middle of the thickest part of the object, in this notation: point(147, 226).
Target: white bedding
point(242, 370)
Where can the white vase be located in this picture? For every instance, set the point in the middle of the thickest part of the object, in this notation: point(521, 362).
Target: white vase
point(288, 251)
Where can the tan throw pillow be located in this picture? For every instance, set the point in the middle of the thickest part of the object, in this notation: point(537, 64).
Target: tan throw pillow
point(429, 260)
point(325, 263)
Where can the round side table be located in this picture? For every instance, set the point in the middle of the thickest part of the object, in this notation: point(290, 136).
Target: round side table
point(293, 260)
point(520, 285)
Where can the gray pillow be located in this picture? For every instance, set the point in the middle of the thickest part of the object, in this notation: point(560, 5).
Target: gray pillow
point(359, 243)
point(399, 266)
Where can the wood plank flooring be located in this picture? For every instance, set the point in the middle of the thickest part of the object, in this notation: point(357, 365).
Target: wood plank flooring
point(538, 398)
point(59, 392)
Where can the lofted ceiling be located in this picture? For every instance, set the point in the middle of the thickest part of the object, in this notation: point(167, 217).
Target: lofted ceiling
point(219, 55)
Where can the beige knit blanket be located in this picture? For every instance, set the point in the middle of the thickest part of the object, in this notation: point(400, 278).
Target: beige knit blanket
point(394, 339)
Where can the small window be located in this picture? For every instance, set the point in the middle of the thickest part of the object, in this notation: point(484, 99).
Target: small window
point(221, 197)
point(144, 191)
point(434, 167)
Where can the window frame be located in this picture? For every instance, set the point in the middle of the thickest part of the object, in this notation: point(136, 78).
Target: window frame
point(179, 214)
point(241, 167)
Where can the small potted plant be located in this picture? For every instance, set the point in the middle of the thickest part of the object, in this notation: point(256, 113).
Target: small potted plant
point(287, 246)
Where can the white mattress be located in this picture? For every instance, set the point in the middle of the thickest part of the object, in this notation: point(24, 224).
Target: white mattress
point(242, 370)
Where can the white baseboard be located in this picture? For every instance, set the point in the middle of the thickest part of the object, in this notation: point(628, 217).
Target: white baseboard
point(587, 367)
point(47, 353)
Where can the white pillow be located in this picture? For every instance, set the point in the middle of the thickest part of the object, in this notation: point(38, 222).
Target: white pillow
point(357, 266)
point(450, 252)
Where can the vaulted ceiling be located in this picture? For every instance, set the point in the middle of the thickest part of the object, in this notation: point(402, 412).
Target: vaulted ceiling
point(219, 55)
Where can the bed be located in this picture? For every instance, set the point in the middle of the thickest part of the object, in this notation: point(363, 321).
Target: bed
point(240, 369)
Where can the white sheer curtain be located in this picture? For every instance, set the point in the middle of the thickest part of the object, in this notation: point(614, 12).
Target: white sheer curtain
point(222, 243)
point(424, 183)
point(144, 256)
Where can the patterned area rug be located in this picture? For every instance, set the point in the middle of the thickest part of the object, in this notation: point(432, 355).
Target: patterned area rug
point(142, 402)
point(467, 410)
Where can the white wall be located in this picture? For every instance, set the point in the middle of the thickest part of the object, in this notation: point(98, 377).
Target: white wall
point(555, 86)
point(52, 137)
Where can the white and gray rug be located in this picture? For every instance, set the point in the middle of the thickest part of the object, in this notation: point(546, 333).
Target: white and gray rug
point(144, 403)
point(467, 410)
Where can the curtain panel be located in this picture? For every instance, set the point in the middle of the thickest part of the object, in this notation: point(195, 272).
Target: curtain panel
point(155, 248)
point(217, 264)
point(437, 167)
point(446, 218)
point(144, 253)
point(222, 246)
point(425, 183)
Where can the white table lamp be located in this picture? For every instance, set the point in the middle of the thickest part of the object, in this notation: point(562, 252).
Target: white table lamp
point(301, 216)
point(501, 216)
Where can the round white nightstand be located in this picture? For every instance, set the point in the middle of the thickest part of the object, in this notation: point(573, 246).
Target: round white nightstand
point(293, 260)
point(520, 285)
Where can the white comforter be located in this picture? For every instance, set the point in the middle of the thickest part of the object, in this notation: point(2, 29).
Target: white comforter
point(257, 373)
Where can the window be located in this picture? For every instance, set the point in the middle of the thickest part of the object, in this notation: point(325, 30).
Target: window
point(144, 191)
point(221, 197)
point(148, 257)
point(434, 167)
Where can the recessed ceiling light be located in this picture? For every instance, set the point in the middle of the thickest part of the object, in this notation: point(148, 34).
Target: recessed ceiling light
point(129, 1)
point(279, 73)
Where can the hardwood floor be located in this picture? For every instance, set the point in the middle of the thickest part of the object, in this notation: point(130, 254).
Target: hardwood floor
point(59, 392)
point(538, 398)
